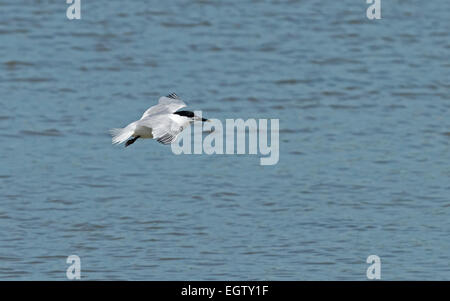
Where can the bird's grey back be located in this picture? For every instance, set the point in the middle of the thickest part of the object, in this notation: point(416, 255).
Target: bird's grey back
point(166, 105)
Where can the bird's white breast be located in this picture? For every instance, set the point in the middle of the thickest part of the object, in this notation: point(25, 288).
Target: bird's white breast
point(143, 132)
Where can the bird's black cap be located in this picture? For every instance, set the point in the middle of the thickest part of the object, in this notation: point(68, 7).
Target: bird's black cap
point(185, 113)
point(189, 114)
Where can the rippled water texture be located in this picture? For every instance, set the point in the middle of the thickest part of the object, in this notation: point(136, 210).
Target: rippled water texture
point(364, 141)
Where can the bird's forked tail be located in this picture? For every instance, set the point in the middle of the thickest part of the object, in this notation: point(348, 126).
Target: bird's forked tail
point(121, 135)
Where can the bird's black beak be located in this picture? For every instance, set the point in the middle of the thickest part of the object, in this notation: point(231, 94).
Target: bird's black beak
point(196, 118)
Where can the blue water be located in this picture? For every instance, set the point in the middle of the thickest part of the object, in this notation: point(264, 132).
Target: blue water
point(364, 140)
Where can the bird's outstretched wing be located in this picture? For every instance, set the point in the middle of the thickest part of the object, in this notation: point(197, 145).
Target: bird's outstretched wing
point(166, 104)
point(167, 138)
point(164, 129)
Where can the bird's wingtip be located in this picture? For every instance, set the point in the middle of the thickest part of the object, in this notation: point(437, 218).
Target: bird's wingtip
point(173, 96)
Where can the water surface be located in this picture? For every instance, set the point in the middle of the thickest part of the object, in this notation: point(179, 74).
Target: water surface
point(364, 141)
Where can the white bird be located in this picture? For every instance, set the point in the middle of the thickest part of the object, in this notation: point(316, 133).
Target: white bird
point(162, 122)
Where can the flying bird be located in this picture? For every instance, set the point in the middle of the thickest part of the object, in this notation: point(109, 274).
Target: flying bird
point(162, 122)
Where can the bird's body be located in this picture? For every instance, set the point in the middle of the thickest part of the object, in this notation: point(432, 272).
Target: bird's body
point(161, 122)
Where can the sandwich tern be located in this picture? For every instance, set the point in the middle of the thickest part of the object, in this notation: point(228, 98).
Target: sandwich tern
point(162, 122)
